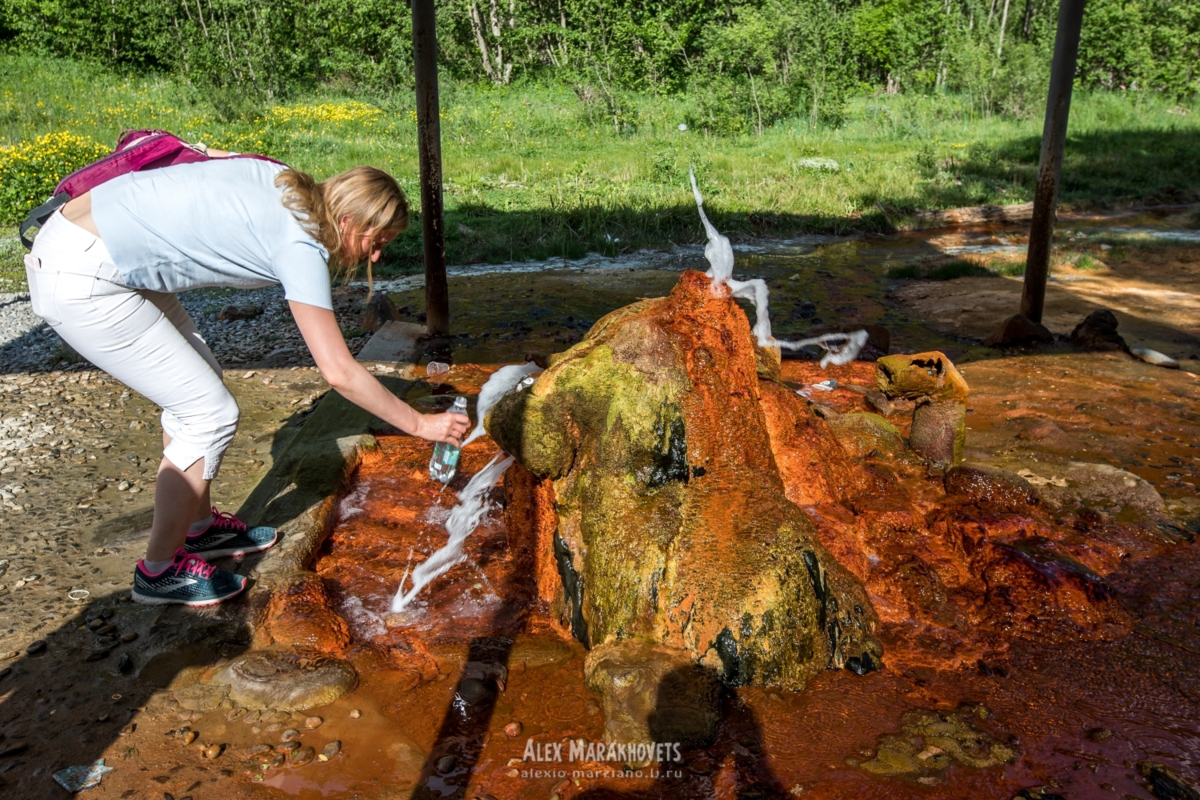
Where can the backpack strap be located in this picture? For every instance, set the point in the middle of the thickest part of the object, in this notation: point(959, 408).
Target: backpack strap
point(38, 216)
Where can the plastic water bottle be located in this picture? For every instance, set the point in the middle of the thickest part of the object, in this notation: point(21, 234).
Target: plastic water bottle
point(444, 463)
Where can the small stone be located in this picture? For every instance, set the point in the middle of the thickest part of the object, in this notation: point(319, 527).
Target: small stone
point(1018, 330)
point(128, 636)
point(189, 737)
point(512, 773)
point(330, 750)
point(287, 747)
point(213, 750)
point(128, 729)
point(512, 729)
point(313, 722)
point(303, 756)
point(12, 748)
point(1153, 356)
point(277, 761)
point(36, 647)
point(257, 749)
point(235, 714)
point(1098, 735)
point(125, 665)
point(97, 655)
point(355, 713)
point(445, 764)
point(288, 735)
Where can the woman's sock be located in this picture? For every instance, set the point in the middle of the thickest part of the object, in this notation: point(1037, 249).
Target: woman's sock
point(201, 526)
point(155, 567)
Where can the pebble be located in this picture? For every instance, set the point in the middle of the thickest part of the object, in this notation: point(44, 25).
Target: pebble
point(512, 729)
point(355, 713)
point(303, 756)
point(36, 647)
point(313, 722)
point(128, 636)
point(1153, 356)
point(330, 750)
point(287, 747)
point(445, 764)
point(127, 729)
point(277, 761)
point(189, 737)
point(235, 714)
point(15, 653)
point(213, 750)
point(125, 665)
point(289, 734)
point(256, 749)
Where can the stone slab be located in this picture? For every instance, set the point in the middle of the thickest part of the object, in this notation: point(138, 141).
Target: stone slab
point(395, 342)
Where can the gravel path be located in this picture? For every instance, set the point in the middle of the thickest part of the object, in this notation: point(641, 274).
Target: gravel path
point(27, 344)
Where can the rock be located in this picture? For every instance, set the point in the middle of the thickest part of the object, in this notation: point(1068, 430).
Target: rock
point(355, 713)
point(127, 729)
point(289, 735)
point(512, 729)
point(36, 647)
point(330, 750)
point(980, 483)
point(277, 761)
point(928, 743)
point(13, 747)
point(381, 309)
point(213, 751)
point(1098, 332)
point(939, 423)
point(287, 747)
point(1018, 330)
point(128, 637)
point(313, 722)
point(125, 664)
point(189, 737)
point(1166, 783)
point(303, 756)
point(1098, 735)
point(652, 693)
point(1040, 431)
point(232, 313)
point(862, 434)
point(300, 614)
point(201, 696)
point(446, 764)
point(287, 680)
point(1153, 357)
point(257, 749)
point(645, 429)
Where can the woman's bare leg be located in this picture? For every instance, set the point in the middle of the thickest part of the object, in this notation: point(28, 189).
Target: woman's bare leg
point(177, 496)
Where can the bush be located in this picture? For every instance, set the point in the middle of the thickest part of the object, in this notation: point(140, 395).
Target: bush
point(29, 171)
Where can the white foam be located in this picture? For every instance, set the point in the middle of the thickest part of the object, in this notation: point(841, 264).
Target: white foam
point(464, 519)
point(499, 383)
point(840, 348)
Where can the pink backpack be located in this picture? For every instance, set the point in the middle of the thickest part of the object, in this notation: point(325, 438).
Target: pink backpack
point(135, 151)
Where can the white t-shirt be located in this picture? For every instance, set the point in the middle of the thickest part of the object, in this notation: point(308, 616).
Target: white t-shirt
point(213, 223)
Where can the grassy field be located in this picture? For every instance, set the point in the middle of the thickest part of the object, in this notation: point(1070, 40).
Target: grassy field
point(532, 171)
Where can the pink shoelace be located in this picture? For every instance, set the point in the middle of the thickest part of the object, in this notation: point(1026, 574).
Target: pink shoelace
point(223, 520)
point(192, 564)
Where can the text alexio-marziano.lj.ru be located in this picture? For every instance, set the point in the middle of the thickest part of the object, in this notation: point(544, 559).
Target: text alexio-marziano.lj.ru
point(582, 751)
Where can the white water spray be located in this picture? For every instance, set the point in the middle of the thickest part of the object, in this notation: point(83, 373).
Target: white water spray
point(840, 348)
point(498, 384)
point(472, 500)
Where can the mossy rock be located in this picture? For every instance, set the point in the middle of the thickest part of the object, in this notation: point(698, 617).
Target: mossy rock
point(862, 434)
point(673, 525)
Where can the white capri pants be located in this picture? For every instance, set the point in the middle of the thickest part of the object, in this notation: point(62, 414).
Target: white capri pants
point(144, 339)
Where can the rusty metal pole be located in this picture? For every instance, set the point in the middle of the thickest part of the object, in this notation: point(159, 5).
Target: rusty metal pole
point(429, 151)
point(1054, 137)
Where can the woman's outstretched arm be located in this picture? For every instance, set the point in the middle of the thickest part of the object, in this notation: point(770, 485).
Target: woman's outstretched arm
point(351, 380)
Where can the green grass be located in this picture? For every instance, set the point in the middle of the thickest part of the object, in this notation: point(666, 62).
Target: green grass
point(528, 176)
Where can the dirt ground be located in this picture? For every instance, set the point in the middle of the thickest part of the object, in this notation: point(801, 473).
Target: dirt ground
point(1152, 291)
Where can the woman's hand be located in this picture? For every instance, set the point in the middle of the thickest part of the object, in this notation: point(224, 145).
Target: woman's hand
point(443, 428)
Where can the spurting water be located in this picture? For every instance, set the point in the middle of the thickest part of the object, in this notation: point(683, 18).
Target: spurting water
point(840, 348)
point(472, 500)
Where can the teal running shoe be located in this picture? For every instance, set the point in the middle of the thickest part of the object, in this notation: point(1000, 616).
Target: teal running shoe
point(229, 536)
point(189, 581)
